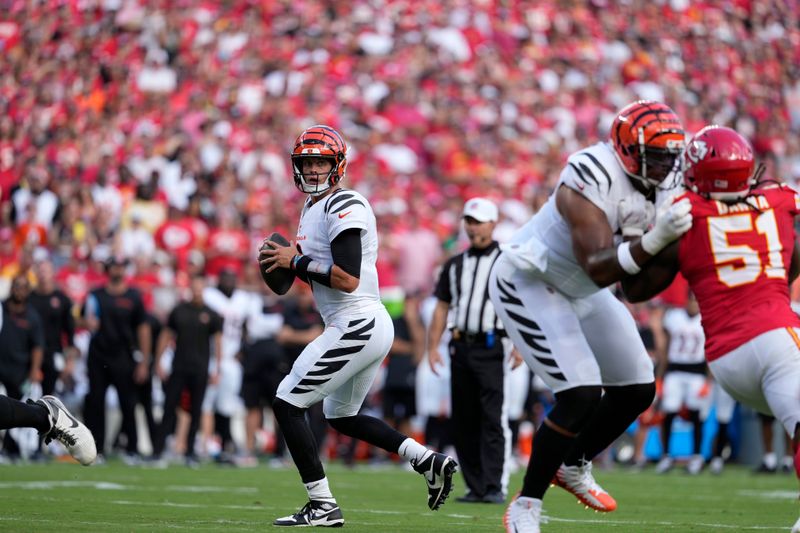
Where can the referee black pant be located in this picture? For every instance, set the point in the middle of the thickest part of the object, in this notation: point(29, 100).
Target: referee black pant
point(476, 385)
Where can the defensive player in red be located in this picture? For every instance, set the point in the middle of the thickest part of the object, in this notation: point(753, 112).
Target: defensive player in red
point(739, 257)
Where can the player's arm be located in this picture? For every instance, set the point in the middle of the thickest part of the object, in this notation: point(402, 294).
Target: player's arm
point(593, 242)
point(344, 274)
point(654, 277)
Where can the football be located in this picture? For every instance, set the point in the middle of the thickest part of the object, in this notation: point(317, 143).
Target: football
point(279, 280)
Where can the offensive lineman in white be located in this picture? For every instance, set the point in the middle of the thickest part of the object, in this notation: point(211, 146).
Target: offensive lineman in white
point(547, 288)
point(336, 251)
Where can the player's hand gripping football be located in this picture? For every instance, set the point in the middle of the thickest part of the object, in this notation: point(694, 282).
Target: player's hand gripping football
point(672, 221)
point(635, 215)
point(272, 255)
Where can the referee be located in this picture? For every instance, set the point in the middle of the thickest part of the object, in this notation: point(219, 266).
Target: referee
point(482, 436)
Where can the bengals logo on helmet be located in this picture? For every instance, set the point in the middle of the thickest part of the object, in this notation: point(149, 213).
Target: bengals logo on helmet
point(647, 137)
point(319, 141)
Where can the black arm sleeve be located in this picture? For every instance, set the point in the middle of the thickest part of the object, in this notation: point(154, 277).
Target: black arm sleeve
point(346, 251)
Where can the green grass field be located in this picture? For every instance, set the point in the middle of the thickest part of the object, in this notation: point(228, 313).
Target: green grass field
point(113, 497)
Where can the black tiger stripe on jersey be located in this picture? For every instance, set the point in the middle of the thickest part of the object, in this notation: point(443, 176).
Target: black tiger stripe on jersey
point(600, 167)
point(354, 323)
point(336, 196)
point(347, 204)
point(579, 172)
point(359, 334)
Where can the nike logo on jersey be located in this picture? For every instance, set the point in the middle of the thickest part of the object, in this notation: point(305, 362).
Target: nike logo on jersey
point(342, 215)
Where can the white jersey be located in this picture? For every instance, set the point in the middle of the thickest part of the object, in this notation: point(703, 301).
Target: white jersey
point(235, 310)
point(320, 224)
point(597, 175)
point(686, 338)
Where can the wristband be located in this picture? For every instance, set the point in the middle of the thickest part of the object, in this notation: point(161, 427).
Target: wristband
point(626, 260)
point(306, 266)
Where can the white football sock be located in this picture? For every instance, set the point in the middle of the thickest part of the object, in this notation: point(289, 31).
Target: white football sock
point(411, 450)
point(319, 490)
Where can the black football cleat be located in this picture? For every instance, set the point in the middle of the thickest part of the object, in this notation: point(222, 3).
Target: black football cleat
point(316, 513)
point(438, 470)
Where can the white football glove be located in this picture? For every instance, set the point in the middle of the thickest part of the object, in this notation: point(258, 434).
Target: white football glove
point(635, 215)
point(672, 221)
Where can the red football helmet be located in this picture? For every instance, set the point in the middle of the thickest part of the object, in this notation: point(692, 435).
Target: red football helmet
point(719, 163)
point(648, 138)
point(323, 142)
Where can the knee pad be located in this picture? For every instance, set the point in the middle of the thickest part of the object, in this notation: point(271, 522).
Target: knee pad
point(574, 407)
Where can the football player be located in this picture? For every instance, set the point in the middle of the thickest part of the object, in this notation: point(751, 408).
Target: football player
point(549, 289)
point(684, 372)
point(336, 250)
point(739, 257)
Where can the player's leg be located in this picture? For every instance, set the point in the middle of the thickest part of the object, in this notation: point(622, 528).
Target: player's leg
point(303, 387)
point(724, 405)
point(372, 336)
point(781, 386)
point(544, 327)
point(18, 414)
point(696, 391)
point(671, 400)
point(626, 369)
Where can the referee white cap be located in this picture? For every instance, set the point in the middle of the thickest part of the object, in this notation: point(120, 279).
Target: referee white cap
point(481, 209)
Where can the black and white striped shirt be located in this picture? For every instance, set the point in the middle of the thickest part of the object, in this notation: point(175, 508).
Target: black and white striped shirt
point(464, 284)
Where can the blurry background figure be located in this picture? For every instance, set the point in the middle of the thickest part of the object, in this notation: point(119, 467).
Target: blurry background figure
point(433, 389)
point(119, 354)
point(58, 323)
point(222, 400)
point(21, 348)
point(194, 330)
point(399, 386)
point(264, 366)
point(685, 382)
point(723, 405)
point(769, 460)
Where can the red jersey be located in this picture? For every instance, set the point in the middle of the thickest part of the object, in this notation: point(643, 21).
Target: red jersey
point(736, 259)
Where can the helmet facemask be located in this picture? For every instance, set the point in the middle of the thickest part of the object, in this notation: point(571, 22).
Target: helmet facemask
point(322, 185)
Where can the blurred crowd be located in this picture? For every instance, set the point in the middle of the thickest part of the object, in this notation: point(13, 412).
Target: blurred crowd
point(159, 131)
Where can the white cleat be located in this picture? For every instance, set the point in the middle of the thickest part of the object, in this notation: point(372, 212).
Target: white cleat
point(523, 515)
point(796, 528)
point(581, 483)
point(69, 431)
point(716, 465)
point(665, 465)
point(695, 465)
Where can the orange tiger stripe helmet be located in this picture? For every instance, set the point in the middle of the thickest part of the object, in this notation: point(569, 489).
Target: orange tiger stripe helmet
point(324, 142)
point(648, 139)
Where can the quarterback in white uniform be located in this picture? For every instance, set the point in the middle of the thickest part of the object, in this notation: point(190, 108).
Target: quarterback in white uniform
point(336, 251)
point(548, 288)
